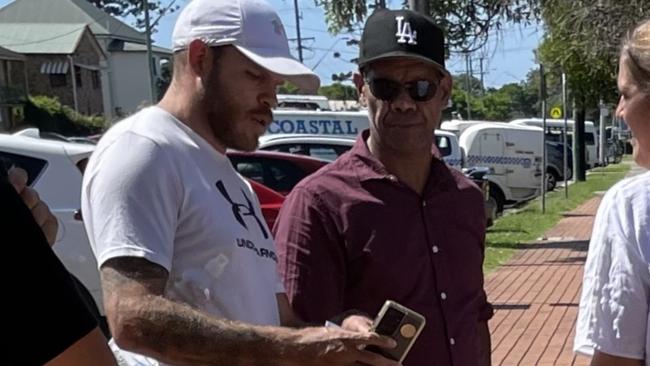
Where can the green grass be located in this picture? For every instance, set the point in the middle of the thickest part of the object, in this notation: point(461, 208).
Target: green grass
point(526, 225)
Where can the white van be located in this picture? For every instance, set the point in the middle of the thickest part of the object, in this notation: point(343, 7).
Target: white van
point(555, 127)
point(514, 155)
point(457, 126)
point(303, 102)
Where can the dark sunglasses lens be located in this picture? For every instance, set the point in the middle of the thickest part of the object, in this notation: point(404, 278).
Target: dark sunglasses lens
point(422, 90)
point(385, 89)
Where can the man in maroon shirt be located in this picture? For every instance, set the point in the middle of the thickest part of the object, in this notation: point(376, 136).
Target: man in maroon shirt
point(389, 220)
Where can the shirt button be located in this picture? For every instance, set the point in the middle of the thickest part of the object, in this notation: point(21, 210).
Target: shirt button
point(424, 203)
point(443, 296)
point(452, 341)
point(391, 178)
point(435, 249)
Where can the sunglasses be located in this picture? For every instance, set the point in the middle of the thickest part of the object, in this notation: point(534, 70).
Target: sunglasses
point(388, 90)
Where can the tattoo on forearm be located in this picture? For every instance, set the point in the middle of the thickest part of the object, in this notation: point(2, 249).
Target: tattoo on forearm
point(176, 332)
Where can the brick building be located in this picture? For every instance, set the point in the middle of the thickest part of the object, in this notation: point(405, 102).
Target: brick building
point(61, 60)
point(13, 88)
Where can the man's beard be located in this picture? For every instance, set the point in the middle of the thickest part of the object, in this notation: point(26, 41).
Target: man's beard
point(223, 114)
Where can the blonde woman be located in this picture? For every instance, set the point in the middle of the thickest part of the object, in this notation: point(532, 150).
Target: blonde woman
point(613, 323)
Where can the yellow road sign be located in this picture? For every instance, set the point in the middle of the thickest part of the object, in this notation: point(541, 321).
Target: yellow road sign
point(556, 112)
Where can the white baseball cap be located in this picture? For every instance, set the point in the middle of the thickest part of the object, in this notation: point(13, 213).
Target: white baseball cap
point(250, 25)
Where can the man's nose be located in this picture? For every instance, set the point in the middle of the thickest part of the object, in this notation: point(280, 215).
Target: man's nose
point(403, 102)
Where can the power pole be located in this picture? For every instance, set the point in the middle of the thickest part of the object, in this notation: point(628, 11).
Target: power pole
point(579, 163)
point(482, 73)
point(152, 85)
point(295, 6)
point(467, 85)
point(421, 6)
point(565, 148)
point(380, 4)
point(542, 96)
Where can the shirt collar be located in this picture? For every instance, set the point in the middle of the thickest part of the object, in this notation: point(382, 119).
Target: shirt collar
point(368, 167)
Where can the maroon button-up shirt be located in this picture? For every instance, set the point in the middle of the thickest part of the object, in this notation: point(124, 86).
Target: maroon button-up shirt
point(351, 236)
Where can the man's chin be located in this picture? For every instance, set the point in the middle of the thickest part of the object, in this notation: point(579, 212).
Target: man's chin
point(246, 146)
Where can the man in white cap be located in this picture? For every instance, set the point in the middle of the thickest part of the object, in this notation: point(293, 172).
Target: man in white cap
point(188, 265)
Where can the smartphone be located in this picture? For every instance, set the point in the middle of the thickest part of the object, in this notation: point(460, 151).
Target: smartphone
point(399, 323)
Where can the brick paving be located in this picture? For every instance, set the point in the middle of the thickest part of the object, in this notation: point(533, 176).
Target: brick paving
point(536, 295)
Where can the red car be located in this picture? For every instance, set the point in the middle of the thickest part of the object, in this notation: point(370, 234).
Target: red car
point(277, 171)
point(273, 175)
point(270, 201)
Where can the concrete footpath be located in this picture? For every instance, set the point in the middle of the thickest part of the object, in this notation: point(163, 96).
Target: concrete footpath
point(536, 294)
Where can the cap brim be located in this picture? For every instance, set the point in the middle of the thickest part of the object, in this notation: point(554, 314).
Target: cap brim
point(403, 54)
point(285, 66)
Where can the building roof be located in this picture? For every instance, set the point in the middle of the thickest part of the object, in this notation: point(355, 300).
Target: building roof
point(101, 23)
point(137, 47)
point(47, 38)
point(6, 54)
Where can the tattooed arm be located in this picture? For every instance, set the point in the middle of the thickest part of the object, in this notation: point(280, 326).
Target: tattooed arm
point(144, 321)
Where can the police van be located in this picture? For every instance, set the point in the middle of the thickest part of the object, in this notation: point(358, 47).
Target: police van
point(513, 154)
point(554, 132)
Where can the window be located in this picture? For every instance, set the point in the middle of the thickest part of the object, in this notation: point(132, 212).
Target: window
point(33, 166)
point(290, 148)
point(250, 169)
point(282, 175)
point(77, 76)
point(57, 80)
point(323, 152)
point(96, 79)
point(277, 174)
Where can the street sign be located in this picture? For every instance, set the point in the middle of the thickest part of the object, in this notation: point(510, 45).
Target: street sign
point(556, 112)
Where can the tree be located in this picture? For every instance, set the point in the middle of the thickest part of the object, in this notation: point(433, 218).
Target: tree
point(583, 39)
point(288, 88)
point(338, 91)
point(467, 23)
point(125, 8)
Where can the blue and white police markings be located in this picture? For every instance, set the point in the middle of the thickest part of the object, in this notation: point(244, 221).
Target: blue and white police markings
point(501, 160)
point(320, 127)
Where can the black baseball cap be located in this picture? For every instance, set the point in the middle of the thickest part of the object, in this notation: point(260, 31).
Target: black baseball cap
point(401, 33)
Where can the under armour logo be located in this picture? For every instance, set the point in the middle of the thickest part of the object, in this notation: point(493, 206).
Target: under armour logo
point(240, 210)
point(404, 31)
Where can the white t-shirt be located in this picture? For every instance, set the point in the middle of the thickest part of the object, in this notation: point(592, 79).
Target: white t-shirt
point(154, 189)
point(613, 316)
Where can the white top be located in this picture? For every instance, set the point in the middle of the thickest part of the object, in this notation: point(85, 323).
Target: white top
point(154, 189)
point(613, 316)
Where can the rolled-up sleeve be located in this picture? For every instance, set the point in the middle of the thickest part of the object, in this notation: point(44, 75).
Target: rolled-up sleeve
point(613, 313)
point(310, 257)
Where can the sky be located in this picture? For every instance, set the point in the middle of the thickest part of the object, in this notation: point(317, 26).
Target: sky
point(506, 59)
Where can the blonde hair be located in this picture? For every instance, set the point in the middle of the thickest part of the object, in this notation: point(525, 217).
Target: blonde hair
point(636, 52)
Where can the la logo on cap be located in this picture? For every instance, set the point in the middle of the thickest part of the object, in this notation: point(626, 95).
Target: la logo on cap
point(404, 31)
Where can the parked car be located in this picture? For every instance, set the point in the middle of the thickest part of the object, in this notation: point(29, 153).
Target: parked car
point(329, 147)
point(275, 170)
point(270, 202)
point(554, 128)
point(55, 170)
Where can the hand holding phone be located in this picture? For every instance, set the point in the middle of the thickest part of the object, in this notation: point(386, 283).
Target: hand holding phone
point(399, 323)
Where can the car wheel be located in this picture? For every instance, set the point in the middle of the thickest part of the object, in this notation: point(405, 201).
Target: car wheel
point(551, 180)
point(496, 198)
